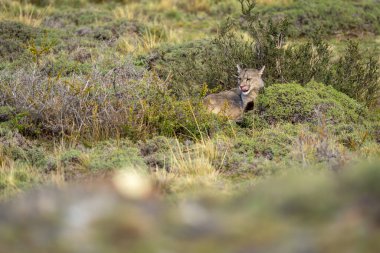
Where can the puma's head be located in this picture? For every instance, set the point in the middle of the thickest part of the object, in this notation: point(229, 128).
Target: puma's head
point(250, 80)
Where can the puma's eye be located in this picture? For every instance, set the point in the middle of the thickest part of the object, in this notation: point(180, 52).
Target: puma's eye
point(249, 79)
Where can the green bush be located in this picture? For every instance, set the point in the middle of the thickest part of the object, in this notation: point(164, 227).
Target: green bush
point(357, 75)
point(249, 154)
point(17, 148)
point(156, 152)
point(65, 67)
point(312, 103)
point(71, 157)
point(14, 38)
point(6, 113)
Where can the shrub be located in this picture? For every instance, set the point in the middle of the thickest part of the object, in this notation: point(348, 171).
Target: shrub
point(71, 157)
point(21, 150)
point(113, 155)
point(295, 103)
point(65, 67)
point(121, 102)
point(6, 113)
point(247, 154)
point(156, 152)
point(357, 76)
point(13, 39)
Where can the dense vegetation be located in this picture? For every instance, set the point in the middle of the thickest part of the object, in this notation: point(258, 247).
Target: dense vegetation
point(105, 91)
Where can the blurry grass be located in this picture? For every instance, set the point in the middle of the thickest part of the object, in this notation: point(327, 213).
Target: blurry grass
point(275, 2)
point(303, 211)
point(25, 13)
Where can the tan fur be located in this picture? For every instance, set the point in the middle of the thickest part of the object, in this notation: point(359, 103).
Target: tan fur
point(232, 103)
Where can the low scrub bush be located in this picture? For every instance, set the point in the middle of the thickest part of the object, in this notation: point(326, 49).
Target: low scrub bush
point(113, 155)
point(357, 75)
point(6, 114)
point(295, 103)
point(20, 150)
point(269, 144)
point(122, 102)
point(103, 156)
point(14, 38)
point(65, 67)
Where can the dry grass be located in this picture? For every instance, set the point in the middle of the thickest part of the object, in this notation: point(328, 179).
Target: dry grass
point(16, 176)
point(138, 45)
point(131, 11)
point(193, 169)
point(25, 13)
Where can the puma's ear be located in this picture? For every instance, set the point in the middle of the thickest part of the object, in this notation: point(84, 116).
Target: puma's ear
point(238, 68)
point(261, 71)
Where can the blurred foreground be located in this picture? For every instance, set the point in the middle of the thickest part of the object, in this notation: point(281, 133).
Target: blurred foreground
point(302, 212)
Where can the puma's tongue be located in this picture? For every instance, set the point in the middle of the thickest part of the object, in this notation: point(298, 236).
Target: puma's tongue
point(244, 88)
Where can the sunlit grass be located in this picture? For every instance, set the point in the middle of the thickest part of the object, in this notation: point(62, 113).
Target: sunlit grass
point(25, 13)
point(129, 12)
point(149, 40)
point(194, 169)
